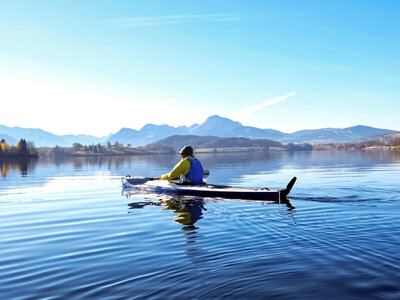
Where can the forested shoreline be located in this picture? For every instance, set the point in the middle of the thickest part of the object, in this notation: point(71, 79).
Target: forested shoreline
point(20, 150)
point(389, 142)
point(109, 149)
point(24, 149)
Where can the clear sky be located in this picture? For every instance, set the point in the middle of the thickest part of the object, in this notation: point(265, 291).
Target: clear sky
point(93, 67)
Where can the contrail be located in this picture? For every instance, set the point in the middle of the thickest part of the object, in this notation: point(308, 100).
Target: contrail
point(254, 108)
point(176, 19)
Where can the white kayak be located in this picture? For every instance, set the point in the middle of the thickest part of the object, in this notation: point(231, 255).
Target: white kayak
point(152, 185)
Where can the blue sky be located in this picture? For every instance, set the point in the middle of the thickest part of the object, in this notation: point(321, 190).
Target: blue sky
point(95, 66)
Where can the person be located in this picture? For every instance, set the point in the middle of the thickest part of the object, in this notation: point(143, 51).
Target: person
point(188, 170)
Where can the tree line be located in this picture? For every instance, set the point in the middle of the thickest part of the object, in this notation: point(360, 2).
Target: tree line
point(378, 142)
point(21, 149)
point(109, 149)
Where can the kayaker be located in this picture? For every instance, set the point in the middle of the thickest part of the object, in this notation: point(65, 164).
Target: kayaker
point(188, 170)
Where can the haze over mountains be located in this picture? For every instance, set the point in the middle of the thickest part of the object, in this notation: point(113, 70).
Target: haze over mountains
point(43, 138)
point(213, 126)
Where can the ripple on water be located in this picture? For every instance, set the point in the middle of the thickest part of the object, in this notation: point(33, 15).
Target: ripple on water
point(70, 236)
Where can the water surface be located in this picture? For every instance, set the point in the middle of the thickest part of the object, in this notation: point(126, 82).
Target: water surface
point(66, 230)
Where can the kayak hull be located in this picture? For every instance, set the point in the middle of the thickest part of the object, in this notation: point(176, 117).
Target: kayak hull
point(203, 190)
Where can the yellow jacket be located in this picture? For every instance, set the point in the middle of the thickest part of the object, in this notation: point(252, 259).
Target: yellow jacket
point(181, 168)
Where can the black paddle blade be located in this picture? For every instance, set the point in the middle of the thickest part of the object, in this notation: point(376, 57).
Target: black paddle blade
point(137, 181)
point(289, 187)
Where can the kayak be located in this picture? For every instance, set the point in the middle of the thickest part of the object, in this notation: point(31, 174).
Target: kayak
point(152, 185)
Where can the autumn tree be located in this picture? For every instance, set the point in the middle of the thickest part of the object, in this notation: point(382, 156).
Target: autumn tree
point(4, 146)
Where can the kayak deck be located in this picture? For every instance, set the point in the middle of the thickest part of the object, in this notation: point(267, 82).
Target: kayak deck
point(204, 190)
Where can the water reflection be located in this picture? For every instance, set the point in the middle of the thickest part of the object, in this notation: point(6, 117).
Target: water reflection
point(20, 165)
point(151, 165)
point(189, 209)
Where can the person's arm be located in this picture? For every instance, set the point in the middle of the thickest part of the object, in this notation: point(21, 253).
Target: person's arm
point(181, 168)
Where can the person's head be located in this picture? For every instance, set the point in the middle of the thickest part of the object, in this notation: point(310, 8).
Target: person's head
point(186, 151)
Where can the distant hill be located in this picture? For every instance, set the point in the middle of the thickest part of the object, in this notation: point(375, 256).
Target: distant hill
point(214, 126)
point(395, 134)
point(9, 139)
point(386, 141)
point(149, 133)
point(213, 143)
point(334, 135)
point(43, 138)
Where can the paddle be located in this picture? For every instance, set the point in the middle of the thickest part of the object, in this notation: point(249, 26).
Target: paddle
point(133, 180)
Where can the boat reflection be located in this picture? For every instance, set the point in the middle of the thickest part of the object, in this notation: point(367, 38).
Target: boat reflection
point(188, 209)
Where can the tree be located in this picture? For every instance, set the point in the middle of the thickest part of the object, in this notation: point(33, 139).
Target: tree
point(397, 142)
point(31, 149)
point(22, 147)
point(77, 146)
point(4, 146)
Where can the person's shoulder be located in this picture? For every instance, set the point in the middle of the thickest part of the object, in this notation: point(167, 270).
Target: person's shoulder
point(193, 158)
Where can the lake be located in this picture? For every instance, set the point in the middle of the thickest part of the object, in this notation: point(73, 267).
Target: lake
point(67, 231)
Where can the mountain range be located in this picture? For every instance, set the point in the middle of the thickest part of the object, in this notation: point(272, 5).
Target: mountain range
point(224, 127)
point(43, 138)
point(213, 126)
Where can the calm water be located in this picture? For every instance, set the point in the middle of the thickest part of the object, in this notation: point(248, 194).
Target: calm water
point(66, 230)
